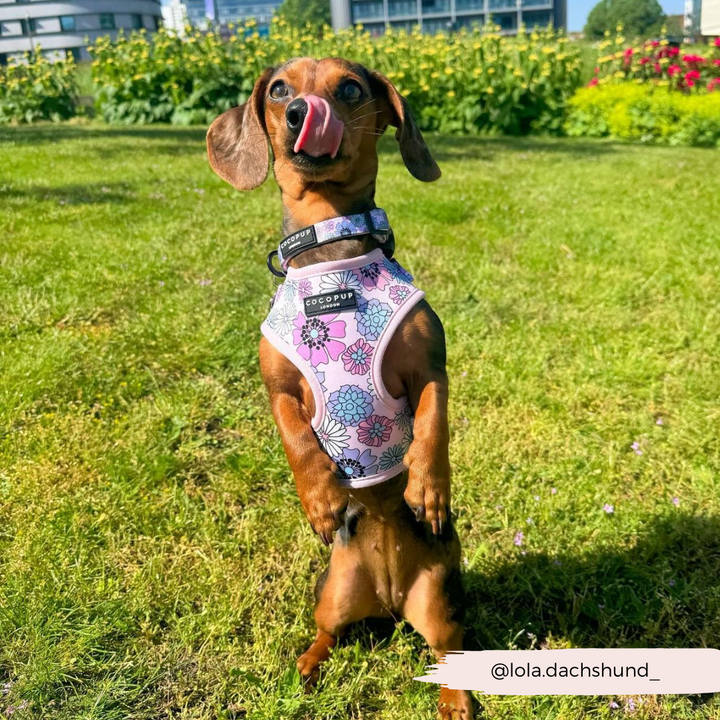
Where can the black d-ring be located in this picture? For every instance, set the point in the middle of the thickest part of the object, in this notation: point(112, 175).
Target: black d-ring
point(271, 265)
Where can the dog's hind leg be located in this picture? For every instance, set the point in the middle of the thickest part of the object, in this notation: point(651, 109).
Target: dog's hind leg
point(344, 595)
point(434, 608)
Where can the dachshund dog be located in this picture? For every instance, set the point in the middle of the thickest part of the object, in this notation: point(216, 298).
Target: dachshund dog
point(396, 553)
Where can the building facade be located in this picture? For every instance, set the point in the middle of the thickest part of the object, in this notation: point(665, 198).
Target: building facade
point(175, 16)
point(69, 26)
point(436, 15)
point(702, 18)
point(203, 13)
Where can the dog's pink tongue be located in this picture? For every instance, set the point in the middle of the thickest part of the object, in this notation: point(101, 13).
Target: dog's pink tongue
point(321, 132)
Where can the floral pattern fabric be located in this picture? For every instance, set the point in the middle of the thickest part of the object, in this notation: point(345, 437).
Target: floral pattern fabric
point(364, 430)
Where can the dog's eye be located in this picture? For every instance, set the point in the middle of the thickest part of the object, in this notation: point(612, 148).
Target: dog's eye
point(279, 90)
point(350, 91)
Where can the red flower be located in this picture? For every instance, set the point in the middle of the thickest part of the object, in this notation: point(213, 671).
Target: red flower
point(593, 82)
point(691, 59)
point(712, 83)
point(692, 75)
point(673, 51)
point(716, 62)
point(644, 61)
point(717, 42)
point(657, 67)
point(655, 43)
point(673, 70)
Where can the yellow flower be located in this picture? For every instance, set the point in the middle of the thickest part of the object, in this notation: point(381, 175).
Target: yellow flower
point(451, 93)
point(489, 90)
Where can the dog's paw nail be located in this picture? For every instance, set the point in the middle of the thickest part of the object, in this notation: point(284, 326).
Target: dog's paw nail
point(440, 526)
point(325, 539)
point(419, 513)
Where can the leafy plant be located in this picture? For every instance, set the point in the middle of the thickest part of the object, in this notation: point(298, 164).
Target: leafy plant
point(470, 82)
point(647, 114)
point(36, 89)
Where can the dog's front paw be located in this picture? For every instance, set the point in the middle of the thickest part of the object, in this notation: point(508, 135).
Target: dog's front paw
point(428, 498)
point(323, 500)
point(455, 705)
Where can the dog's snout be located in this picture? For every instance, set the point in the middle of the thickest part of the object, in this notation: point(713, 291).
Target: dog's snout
point(295, 114)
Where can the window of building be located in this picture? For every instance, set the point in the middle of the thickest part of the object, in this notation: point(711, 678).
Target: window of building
point(137, 22)
point(468, 4)
point(67, 23)
point(367, 10)
point(398, 8)
point(107, 21)
point(436, 6)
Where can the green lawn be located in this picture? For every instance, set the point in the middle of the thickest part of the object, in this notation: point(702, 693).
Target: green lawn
point(154, 559)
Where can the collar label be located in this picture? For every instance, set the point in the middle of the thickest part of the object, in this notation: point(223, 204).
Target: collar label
point(300, 240)
point(330, 302)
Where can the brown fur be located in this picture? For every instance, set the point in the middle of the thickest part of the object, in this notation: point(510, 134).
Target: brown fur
point(397, 554)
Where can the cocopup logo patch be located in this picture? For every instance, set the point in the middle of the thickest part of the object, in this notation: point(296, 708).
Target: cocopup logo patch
point(298, 241)
point(330, 302)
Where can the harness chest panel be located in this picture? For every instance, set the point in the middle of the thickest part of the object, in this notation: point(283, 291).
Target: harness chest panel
point(334, 321)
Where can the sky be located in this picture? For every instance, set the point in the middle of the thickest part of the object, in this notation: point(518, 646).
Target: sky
point(578, 10)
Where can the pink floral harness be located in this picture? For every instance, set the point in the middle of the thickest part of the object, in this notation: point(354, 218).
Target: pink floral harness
point(334, 321)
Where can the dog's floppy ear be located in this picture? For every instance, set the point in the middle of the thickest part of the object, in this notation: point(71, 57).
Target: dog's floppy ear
point(413, 149)
point(237, 142)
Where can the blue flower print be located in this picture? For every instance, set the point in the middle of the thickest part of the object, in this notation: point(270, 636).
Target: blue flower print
point(371, 317)
point(392, 456)
point(397, 271)
point(345, 228)
point(350, 405)
point(352, 465)
point(289, 287)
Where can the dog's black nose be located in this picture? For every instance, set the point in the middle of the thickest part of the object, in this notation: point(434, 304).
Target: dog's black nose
point(295, 114)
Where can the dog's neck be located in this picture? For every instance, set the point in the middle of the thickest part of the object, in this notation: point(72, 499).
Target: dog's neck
point(309, 203)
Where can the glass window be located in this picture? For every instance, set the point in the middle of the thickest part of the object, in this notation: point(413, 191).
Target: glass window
point(468, 4)
point(402, 7)
point(435, 6)
point(137, 23)
point(367, 11)
point(67, 23)
point(107, 21)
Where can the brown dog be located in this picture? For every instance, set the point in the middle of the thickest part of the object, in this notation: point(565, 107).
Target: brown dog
point(398, 554)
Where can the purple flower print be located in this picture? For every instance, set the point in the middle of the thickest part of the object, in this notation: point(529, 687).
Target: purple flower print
point(400, 293)
point(315, 338)
point(375, 430)
point(350, 405)
point(371, 318)
point(357, 356)
point(353, 465)
point(345, 280)
point(375, 275)
point(304, 288)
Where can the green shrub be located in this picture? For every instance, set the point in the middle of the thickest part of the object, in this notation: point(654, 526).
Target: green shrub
point(470, 82)
point(645, 113)
point(36, 89)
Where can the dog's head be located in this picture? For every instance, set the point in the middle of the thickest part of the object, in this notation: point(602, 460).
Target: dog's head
point(323, 119)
